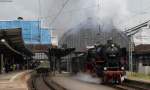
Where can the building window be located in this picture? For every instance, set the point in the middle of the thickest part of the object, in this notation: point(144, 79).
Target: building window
point(146, 61)
point(40, 56)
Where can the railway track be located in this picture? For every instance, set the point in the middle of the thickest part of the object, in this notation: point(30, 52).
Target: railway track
point(44, 83)
point(130, 87)
point(133, 85)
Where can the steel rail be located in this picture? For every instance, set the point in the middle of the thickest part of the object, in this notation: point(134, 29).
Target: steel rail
point(46, 83)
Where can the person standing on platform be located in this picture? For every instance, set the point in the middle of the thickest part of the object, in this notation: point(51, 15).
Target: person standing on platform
point(14, 67)
point(6, 68)
point(17, 66)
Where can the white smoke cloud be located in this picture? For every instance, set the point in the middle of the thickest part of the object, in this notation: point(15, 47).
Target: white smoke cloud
point(112, 12)
point(79, 11)
point(106, 12)
point(87, 78)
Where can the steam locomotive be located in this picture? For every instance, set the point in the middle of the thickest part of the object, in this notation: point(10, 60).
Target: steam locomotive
point(107, 61)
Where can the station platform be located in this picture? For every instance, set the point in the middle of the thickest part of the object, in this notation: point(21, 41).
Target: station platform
point(73, 83)
point(14, 80)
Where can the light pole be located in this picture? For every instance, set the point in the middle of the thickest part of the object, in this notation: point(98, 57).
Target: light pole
point(130, 53)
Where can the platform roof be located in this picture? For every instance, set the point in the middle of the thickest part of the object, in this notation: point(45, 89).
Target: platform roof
point(60, 52)
point(13, 42)
point(142, 49)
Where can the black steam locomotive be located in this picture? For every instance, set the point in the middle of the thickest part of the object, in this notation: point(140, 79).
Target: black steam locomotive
point(107, 61)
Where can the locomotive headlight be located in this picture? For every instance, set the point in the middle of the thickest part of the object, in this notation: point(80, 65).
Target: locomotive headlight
point(3, 40)
point(112, 45)
point(122, 68)
point(105, 68)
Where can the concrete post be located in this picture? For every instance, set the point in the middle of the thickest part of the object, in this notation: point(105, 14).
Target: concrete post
point(54, 67)
point(2, 62)
point(27, 63)
point(70, 63)
point(67, 63)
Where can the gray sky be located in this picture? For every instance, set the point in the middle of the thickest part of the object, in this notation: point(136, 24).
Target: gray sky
point(124, 13)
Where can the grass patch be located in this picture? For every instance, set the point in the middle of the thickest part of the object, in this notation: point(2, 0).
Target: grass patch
point(141, 76)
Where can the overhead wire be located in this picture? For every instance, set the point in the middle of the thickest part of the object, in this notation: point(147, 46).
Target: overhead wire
point(74, 10)
point(60, 11)
point(142, 11)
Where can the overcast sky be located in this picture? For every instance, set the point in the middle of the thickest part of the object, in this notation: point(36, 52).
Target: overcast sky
point(124, 13)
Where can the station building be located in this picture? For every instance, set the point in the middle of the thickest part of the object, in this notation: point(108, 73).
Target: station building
point(141, 60)
point(32, 31)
